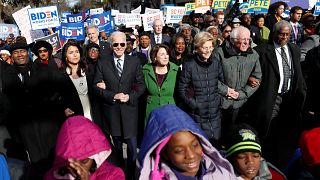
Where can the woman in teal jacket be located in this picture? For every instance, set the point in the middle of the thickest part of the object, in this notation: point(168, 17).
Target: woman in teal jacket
point(160, 79)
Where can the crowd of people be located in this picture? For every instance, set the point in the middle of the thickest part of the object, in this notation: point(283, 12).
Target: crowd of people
point(209, 99)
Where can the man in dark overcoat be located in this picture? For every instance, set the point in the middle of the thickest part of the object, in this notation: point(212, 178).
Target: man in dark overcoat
point(119, 82)
point(276, 106)
point(31, 91)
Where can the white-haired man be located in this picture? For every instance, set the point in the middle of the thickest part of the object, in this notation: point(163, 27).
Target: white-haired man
point(119, 82)
point(93, 35)
point(157, 37)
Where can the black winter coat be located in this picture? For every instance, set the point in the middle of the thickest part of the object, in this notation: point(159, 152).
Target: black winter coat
point(198, 87)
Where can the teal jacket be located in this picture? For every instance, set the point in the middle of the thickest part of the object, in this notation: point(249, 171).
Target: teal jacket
point(158, 96)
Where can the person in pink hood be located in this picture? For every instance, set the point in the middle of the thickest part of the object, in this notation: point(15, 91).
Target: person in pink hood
point(81, 153)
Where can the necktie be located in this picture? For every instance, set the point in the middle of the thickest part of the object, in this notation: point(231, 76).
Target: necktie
point(119, 68)
point(296, 32)
point(158, 39)
point(286, 70)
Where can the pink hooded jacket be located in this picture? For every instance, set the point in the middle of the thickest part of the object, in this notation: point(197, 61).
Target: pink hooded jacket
point(80, 138)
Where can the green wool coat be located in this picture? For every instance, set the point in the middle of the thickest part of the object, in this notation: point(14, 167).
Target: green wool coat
point(159, 96)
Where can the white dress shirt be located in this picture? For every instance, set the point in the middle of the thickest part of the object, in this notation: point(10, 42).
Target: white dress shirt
point(279, 59)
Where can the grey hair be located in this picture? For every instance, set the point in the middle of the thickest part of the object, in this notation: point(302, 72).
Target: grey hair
point(212, 27)
point(118, 33)
point(280, 24)
point(154, 22)
point(235, 31)
point(93, 27)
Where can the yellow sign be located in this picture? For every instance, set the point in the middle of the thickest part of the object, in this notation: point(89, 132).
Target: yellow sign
point(201, 3)
point(190, 7)
point(220, 4)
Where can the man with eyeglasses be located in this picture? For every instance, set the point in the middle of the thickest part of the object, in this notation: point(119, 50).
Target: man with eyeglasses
point(43, 50)
point(33, 119)
point(119, 83)
point(276, 106)
point(239, 62)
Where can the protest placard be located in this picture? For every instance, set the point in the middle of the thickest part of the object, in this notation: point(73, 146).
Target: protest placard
point(96, 11)
point(72, 31)
point(114, 12)
point(220, 5)
point(6, 29)
point(148, 20)
point(22, 19)
point(76, 18)
point(189, 7)
point(44, 17)
point(175, 14)
point(258, 6)
point(243, 7)
point(202, 6)
point(151, 11)
point(64, 16)
point(54, 40)
point(104, 21)
point(137, 10)
point(120, 19)
point(132, 20)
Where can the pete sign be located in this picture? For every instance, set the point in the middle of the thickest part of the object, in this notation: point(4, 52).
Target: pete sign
point(44, 17)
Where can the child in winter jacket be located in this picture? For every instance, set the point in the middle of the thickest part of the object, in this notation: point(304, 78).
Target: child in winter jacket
point(174, 147)
point(81, 153)
point(244, 153)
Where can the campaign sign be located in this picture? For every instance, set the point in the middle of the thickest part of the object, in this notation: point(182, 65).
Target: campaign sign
point(22, 19)
point(190, 7)
point(120, 19)
point(64, 16)
point(54, 40)
point(149, 18)
point(44, 17)
point(6, 29)
point(103, 21)
point(175, 14)
point(243, 7)
point(258, 6)
point(76, 18)
point(132, 20)
point(96, 11)
point(317, 9)
point(72, 31)
point(220, 5)
point(151, 11)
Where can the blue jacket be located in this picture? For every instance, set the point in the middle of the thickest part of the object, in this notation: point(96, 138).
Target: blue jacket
point(166, 121)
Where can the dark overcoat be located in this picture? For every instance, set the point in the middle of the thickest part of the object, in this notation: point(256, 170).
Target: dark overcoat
point(263, 101)
point(122, 118)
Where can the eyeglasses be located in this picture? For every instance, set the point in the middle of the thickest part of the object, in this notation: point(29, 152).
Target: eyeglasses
point(93, 49)
point(117, 44)
point(242, 39)
point(227, 31)
point(42, 50)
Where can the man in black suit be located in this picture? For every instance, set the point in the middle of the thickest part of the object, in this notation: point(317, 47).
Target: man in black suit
point(119, 82)
point(277, 104)
point(157, 37)
point(93, 35)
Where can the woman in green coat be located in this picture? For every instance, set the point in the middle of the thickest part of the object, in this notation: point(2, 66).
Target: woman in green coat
point(160, 79)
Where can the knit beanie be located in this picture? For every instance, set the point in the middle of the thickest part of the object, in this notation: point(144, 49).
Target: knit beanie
point(242, 138)
point(310, 147)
